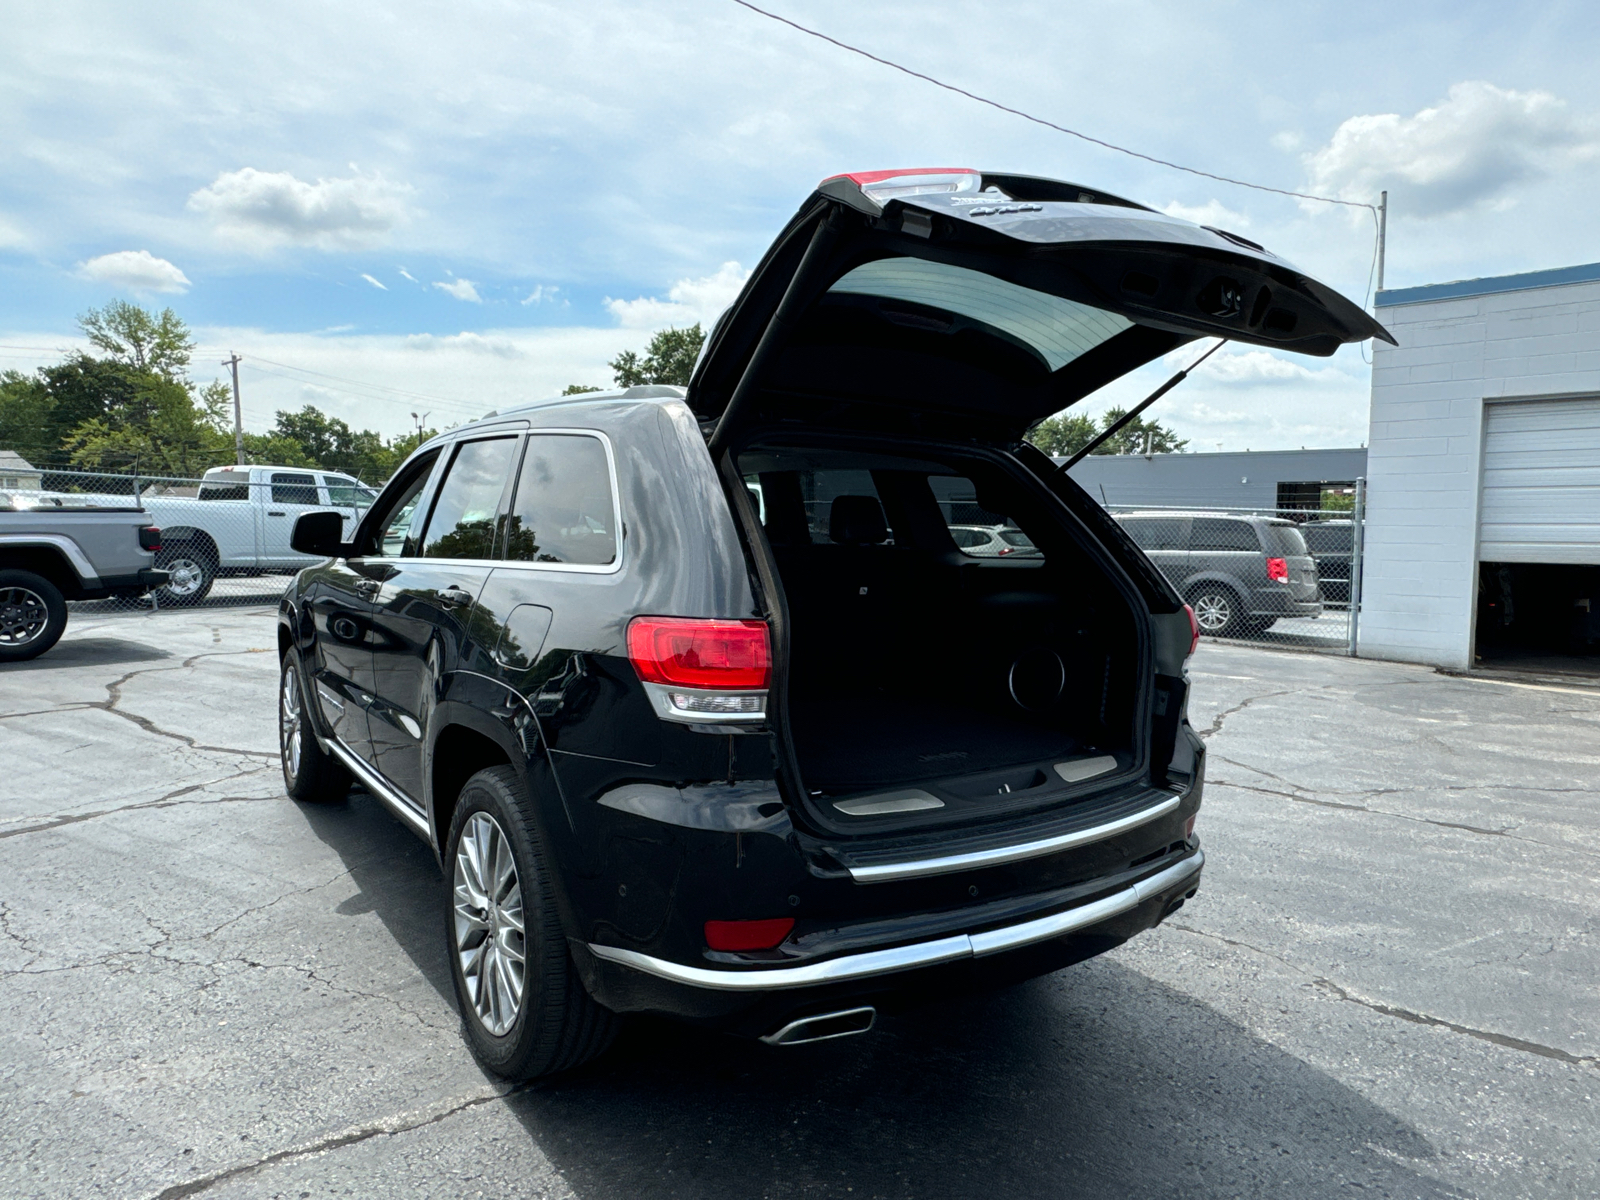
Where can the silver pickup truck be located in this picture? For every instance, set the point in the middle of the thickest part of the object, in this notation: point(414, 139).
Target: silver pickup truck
point(50, 554)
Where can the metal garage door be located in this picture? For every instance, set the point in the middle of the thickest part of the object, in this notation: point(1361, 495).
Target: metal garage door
point(1541, 482)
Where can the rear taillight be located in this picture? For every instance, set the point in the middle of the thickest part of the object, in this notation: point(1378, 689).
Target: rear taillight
point(1278, 570)
point(150, 538)
point(747, 935)
point(1194, 631)
point(706, 653)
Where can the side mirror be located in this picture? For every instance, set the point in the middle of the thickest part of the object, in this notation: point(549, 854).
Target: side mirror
point(319, 533)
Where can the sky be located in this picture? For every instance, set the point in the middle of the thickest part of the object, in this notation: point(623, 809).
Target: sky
point(406, 210)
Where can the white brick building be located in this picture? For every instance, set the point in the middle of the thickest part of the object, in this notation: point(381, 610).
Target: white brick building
point(1485, 449)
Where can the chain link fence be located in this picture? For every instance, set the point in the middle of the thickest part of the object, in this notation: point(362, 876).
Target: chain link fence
point(1281, 577)
point(224, 536)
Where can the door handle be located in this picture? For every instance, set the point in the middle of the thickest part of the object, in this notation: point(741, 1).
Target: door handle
point(455, 596)
point(272, 512)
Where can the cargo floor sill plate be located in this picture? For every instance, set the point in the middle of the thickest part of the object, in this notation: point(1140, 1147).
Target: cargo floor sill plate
point(908, 958)
point(916, 868)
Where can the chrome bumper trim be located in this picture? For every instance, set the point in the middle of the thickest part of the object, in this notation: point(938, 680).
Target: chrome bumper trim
point(391, 799)
point(918, 867)
point(906, 958)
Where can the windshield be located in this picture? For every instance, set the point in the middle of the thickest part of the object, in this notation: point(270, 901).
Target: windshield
point(1057, 330)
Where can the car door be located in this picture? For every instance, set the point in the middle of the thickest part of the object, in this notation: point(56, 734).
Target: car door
point(340, 599)
point(1227, 550)
point(290, 495)
point(1165, 541)
point(424, 603)
point(966, 304)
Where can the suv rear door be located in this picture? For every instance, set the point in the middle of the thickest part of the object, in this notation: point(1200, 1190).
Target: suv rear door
point(1164, 537)
point(954, 302)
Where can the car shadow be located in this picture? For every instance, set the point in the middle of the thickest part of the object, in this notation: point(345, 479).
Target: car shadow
point(91, 651)
point(1093, 1082)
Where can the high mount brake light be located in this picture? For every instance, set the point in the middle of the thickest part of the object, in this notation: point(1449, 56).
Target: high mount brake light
point(1194, 631)
point(1278, 570)
point(883, 186)
point(747, 935)
point(695, 652)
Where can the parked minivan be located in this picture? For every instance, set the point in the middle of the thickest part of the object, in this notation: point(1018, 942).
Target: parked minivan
point(683, 745)
point(1238, 573)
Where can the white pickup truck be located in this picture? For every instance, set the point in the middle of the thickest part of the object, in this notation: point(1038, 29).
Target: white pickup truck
point(241, 522)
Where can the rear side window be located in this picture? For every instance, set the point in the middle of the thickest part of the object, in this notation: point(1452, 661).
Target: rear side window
point(1212, 533)
point(294, 489)
point(462, 524)
point(563, 510)
point(1285, 541)
point(225, 491)
point(1156, 533)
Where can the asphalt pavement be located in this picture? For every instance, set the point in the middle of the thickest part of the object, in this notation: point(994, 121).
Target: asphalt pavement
point(1389, 984)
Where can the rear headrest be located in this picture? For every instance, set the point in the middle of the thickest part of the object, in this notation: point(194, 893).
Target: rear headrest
point(857, 521)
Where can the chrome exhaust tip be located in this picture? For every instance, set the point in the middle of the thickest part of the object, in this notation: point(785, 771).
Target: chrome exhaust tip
point(823, 1027)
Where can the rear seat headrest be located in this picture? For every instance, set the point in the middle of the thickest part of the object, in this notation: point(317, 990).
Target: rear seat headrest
point(857, 521)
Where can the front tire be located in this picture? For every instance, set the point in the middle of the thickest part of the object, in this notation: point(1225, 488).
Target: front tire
point(1218, 611)
point(193, 570)
point(33, 615)
point(310, 774)
point(526, 1011)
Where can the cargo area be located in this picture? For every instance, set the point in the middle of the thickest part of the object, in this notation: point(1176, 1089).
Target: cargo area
point(954, 651)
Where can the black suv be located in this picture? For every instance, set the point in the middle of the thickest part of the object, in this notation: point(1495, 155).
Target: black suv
point(684, 747)
point(1238, 573)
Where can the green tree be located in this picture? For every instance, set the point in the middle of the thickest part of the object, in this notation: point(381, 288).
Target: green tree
point(138, 338)
point(669, 358)
point(578, 389)
point(1067, 433)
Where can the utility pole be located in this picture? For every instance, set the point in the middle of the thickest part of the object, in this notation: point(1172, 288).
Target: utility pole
point(1383, 233)
point(238, 413)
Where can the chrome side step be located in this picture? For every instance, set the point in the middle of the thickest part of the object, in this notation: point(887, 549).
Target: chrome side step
point(823, 1027)
point(391, 799)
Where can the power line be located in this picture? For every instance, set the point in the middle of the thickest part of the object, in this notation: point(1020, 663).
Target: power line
point(362, 383)
point(1017, 112)
point(459, 406)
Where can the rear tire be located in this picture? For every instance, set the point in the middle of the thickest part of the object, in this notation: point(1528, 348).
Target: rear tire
point(193, 569)
point(33, 615)
point(1218, 611)
point(310, 774)
point(525, 1009)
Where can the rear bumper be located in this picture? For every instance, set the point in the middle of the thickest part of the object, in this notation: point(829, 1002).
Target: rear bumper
point(753, 1000)
point(1279, 603)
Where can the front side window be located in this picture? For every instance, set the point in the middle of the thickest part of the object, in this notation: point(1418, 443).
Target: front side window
point(462, 524)
point(562, 511)
point(293, 489)
point(1156, 533)
point(398, 511)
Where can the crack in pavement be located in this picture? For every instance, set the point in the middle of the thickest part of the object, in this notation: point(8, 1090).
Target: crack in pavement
point(75, 706)
point(1340, 992)
point(170, 800)
point(1216, 721)
point(114, 698)
point(389, 1127)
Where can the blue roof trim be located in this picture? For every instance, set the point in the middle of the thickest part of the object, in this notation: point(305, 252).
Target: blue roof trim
point(1488, 286)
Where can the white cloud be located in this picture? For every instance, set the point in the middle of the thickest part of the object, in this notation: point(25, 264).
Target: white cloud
point(473, 343)
point(688, 301)
point(461, 289)
point(1468, 150)
point(11, 237)
point(1213, 213)
point(1251, 368)
point(374, 282)
point(408, 274)
point(135, 271)
point(262, 209)
point(542, 293)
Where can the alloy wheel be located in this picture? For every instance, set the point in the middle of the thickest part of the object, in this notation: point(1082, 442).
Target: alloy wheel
point(290, 725)
point(490, 939)
point(1213, 611)
point(23, 616)
point(185, 576)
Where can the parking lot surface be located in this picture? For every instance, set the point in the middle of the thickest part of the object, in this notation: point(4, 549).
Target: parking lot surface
point(1389, 984)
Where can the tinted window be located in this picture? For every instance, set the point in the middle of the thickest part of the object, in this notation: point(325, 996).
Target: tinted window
point(1327, 539)
point(392, 539)
point(967, 538)
point(294, 489)
point(562, 512)
point(462, 525)
point(347, 493)
point(1212, 533)
point(1156, 533)
point(224, 491)
point(1285, 540)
